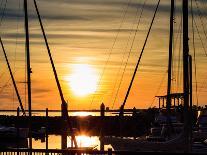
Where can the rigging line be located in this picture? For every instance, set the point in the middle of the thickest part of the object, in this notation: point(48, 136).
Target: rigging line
point(158, 89)
point(174, 50)
point(128, 91)
point(16, 42)
point(204, 4)
point(194, 51)
point(138, 23)
point(12, 77)
point(179, 77)
point(125, 49)
point(200, 14)
point(64, 104)
point(5, 86)
point(128, 40)
point(200, 37)
point(110, 51)
point(203, 83)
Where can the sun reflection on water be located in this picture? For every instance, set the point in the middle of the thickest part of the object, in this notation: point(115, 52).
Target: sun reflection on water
point(87, 141)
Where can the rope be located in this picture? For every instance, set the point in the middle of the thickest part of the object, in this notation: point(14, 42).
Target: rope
point(143, 5)
point(175, 43)
point(15, 50)
point(136, 68)
point(179, 77)
point(111, 49)
point(158, 89)
point(200, 37)
point(122, 62)
point(200, 14)
point(194, 55)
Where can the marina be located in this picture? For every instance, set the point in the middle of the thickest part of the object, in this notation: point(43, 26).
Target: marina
point(175, 121)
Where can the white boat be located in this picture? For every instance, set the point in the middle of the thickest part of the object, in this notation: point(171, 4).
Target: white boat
point(160, 140)
point(141, 144)
point(200, 133)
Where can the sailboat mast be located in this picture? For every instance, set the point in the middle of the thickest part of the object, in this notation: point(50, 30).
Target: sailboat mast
point(170, 59)
point(64, 106)
point(186, 74)
point(28, 70)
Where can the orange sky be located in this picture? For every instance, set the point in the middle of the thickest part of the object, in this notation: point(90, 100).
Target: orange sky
point(99, 34)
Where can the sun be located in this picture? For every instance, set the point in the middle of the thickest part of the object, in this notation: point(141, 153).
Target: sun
point(83, 80)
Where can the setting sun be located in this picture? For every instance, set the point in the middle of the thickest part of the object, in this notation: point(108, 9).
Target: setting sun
point(83, 80)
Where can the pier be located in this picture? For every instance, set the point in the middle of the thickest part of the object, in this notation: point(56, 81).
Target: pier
point(91, 125)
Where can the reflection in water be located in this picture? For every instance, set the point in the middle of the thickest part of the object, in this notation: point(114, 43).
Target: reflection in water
point(82, 140)
point(86, 141)
point(82, 113)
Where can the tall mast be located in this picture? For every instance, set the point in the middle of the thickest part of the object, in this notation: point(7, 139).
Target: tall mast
point(28, 70)
point(64, 106)
point(170, 61)
point(186, 74)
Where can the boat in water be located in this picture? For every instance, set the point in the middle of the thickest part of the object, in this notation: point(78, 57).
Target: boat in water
point(167, 134)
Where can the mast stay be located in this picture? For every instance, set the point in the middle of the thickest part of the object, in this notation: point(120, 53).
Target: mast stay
point(64, 104)
point(137, 65)
point(12, 77)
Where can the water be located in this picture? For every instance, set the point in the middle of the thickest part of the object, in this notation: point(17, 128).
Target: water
point(54, 142)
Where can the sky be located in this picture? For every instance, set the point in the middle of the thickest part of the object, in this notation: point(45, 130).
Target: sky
point(95, 45)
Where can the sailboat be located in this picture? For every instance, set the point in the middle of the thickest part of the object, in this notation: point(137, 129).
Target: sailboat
point(64, 105)
point(173, 143)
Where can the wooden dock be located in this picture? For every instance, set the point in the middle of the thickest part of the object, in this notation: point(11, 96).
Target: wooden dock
point(92, 125)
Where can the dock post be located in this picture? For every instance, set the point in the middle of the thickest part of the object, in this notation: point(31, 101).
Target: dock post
point(159, 103)
point(17, 126)
point(46, 133)
point(64, 139)
point(109, 151)
point(64, 129)
point(102, 113)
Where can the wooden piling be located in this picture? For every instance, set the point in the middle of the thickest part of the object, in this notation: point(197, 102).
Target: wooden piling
point(109, 151)
point(17, 126)
point(46, 133)
point(102, 113)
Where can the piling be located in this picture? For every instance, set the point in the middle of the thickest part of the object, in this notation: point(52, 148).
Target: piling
point(109, 151)
point(102, 113)
point(17, 126)
point(46, 132)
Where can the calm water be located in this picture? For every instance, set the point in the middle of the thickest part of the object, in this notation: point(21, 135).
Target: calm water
point(54, 142)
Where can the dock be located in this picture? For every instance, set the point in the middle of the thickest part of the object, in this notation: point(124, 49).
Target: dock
point(92, 125)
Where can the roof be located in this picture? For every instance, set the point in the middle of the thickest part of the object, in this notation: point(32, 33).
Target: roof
point(173, 95)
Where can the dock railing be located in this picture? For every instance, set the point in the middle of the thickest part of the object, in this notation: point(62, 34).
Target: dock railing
point(65, 152)
point(53, 152)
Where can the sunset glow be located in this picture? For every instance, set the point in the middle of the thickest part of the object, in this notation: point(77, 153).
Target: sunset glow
point(83, 80)
point(95, 46)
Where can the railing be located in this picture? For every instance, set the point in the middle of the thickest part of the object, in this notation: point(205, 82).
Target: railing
point(65, 152)
point(53, 152)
